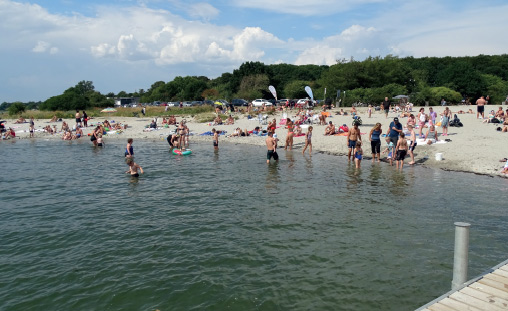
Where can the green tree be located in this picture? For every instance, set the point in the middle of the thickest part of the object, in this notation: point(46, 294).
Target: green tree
point(296, 89)
point(252, 86)
point(16, 108)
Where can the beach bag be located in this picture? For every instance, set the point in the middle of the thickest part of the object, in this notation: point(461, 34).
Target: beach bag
point(494, 120)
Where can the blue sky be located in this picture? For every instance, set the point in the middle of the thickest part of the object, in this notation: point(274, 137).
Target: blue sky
point(126, 45)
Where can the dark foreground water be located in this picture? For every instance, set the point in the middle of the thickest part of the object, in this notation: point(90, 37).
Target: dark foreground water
point(225, 231)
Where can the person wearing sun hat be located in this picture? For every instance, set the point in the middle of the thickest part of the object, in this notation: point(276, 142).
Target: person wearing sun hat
point(395, 130)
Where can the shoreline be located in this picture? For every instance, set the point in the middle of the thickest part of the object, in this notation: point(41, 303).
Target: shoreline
point(474, 148)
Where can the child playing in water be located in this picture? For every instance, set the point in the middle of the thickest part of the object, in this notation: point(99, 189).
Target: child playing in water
point(133, 167)
point(308, 141)
point(401, 150)
point(389, 148)
point(358, 154)
point(100, 143)
point(215, 139)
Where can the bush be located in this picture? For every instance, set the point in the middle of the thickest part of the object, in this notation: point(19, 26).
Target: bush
point(16, 108)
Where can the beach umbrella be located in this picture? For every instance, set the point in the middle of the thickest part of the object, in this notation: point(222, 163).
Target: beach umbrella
point(108, 110)
point(400, 97)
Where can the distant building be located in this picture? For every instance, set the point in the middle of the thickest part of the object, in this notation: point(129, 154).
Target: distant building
point(121, 101)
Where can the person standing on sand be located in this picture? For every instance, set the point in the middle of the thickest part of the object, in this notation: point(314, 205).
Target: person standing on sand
point(215, 139)
point(412, 144)
point(32, 126)
point(480, 107)
point(386, 107)
point(447, 115)
point(352, 137)
point(432, 115)
point(78, 118)
point(271, 145)
point(85, 119)
point(308, 141)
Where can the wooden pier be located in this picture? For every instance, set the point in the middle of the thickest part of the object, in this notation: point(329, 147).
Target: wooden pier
point(486, 292)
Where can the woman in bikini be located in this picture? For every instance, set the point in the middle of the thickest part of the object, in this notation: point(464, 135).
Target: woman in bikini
point(422, 118)
point(289, 138)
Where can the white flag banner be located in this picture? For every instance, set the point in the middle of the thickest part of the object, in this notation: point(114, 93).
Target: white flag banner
point(274, 92)
point(309, 91)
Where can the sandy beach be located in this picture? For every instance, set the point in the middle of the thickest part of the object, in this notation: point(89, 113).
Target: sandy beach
point(476, 147)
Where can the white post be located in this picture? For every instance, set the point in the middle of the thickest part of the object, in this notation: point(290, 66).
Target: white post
point(460, 254)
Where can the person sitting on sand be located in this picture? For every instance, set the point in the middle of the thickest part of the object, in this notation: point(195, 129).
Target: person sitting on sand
point(330, 129)
point(65, 127)
point(217, 121)
point(505, 168)
point(236, 132)
point(230, 120)
point(10, 133)
point(411, 120)
point(491, 118)
point(54, 119)
point(20, 120)
point(500, 114)
point(322, 119)
point(54, 130)
point(164, 120)
point(431, 134)
point(298, 130)
point(107, 124)
point(79, 132)
point(353, 111)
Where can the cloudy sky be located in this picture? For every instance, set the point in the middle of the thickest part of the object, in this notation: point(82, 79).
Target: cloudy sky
point(126, 45)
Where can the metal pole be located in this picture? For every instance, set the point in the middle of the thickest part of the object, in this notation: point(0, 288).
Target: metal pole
point(460, 254)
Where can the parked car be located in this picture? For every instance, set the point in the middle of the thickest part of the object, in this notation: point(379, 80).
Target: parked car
point(186, 104)
point(260, 103)
point(283, 102)
point(305, 103)
point(197, 103)
point(208, 102)
point(239, 102)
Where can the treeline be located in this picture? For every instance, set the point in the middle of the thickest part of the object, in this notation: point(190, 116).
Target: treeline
point(425, 80)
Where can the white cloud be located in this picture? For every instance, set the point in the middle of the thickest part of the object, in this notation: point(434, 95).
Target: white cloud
point(355, 40)
point(203, 11)
point(41, 47)
point(304, 7)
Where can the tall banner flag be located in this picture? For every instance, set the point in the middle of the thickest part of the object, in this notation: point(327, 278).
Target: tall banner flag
point(309, 91)
point(274, 92)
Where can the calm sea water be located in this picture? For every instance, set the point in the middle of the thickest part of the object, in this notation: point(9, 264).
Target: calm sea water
point(226, 231)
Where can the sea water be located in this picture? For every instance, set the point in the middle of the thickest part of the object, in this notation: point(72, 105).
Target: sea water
point(225, 231)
